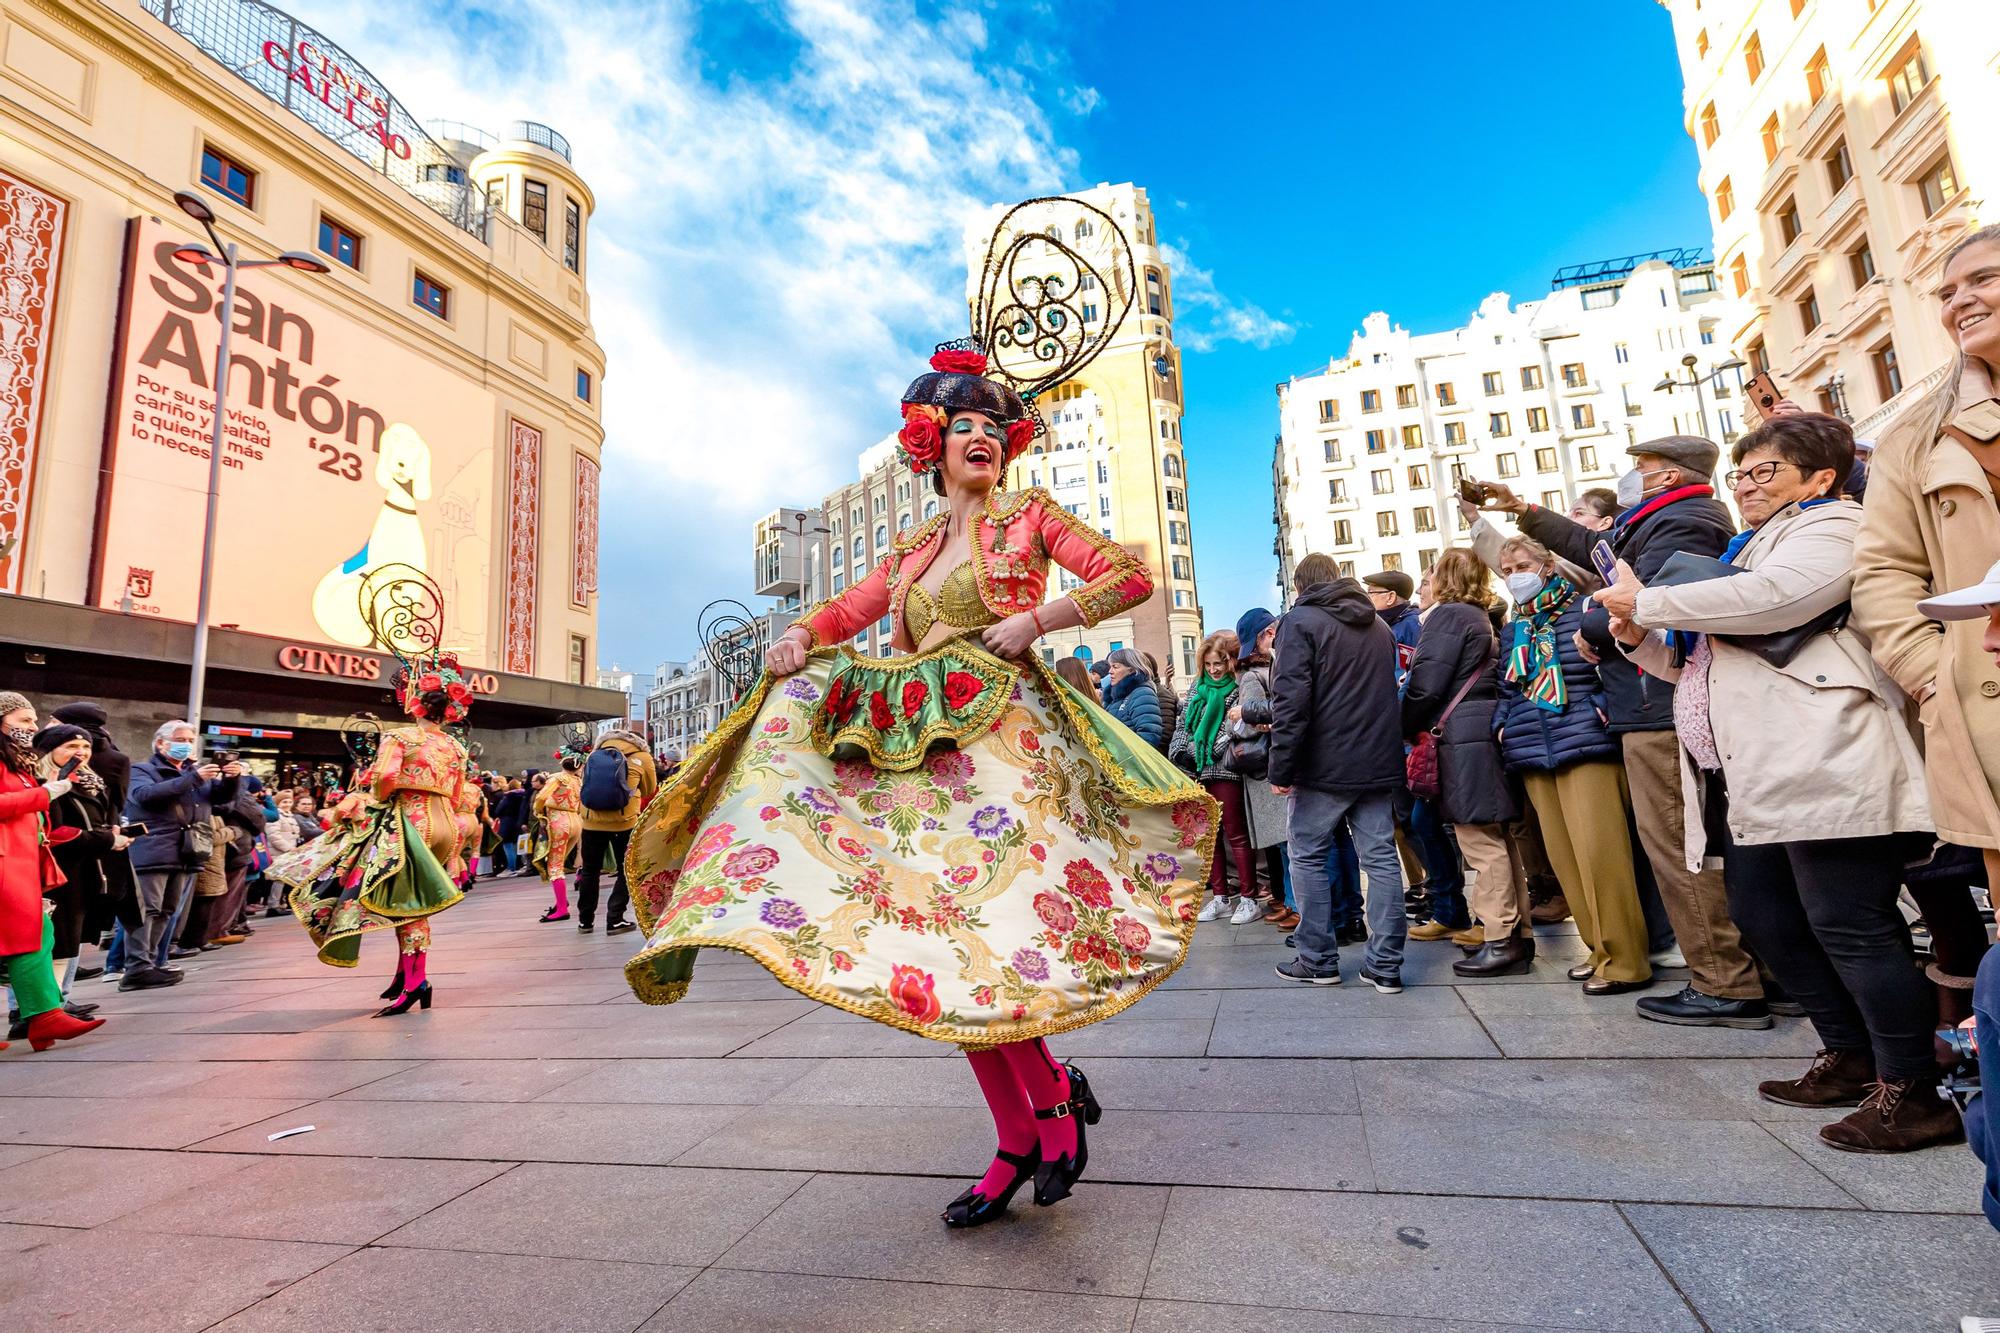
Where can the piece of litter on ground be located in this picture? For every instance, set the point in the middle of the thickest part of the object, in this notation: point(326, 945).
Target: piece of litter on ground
point(287, 1133)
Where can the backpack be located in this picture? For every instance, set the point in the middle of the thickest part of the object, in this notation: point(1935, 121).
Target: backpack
point(606, 788)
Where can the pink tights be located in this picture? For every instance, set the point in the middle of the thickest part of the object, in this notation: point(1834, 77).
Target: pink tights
point(413, 968)
point(561, 885)
point(1017, 1080)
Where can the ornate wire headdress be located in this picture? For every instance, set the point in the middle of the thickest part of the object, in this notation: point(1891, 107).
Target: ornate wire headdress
point(575, 743)
point(1029, 330)
point(403, 609)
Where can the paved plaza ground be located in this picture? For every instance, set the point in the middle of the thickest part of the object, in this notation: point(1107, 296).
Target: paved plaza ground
point(541, 1152)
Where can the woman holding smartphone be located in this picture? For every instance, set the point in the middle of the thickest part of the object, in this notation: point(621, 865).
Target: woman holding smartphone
point(85, 813)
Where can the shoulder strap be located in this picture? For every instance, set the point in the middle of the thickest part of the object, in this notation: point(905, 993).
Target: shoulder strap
point(1485, 660)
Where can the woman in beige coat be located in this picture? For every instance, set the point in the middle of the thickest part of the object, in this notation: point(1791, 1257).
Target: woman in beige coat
point(1932, 525)
point(1800, 765)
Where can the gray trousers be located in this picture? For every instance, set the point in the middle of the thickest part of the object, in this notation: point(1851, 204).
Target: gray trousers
point(1372, 816)
point(159, 892)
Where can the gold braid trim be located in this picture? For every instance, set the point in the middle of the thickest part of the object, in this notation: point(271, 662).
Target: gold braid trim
point(911, 538)
point(814, 643)
point(970, 724)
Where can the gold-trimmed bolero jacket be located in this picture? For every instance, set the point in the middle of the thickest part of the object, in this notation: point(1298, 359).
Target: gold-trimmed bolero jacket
point(1018, 535)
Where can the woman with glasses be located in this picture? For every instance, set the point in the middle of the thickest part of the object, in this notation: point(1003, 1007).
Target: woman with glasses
point(1798, 763)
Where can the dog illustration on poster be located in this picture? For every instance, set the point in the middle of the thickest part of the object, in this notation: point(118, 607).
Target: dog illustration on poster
point(403, 471)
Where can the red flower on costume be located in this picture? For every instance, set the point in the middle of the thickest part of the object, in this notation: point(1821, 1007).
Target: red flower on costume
point(922, 436)
point(915, 993)
point(961, 688)
point(1056, 914)
point(959, 361)
point(1087, 884)
point(1019, 434)
point(1132, 936)
point(914, 694)
point(879, 715)
point(459, 692)
point(429, 682)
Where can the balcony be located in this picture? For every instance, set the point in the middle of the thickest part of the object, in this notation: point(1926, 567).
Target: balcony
point(541, 136)
point(1792, 268)
point(1843, 208)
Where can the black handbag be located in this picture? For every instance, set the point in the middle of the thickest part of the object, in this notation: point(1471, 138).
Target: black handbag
point(1778, 647)
point(197, 844)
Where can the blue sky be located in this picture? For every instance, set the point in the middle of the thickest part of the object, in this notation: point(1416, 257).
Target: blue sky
point(782, 185)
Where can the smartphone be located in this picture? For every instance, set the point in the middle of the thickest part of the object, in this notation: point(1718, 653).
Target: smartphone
point(133, 830)
point(68, 769)
point(1606, 562)
point(1763, 393)
point(1471, 492)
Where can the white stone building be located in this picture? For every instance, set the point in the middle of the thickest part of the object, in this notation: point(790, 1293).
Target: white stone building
point(1545, 396)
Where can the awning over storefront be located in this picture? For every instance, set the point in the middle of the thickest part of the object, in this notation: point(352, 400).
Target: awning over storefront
point(78, 651)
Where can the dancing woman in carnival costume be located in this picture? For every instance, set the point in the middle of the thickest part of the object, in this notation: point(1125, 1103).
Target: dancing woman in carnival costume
point(390, 856)
point(954, 841)
point(560, 805)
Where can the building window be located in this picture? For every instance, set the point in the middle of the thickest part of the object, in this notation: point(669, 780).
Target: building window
point(1406, 395)
point(1177, 532)
point(1531, 377)
point(428, 293)
point(1447, 396)
point(1771, 140)
point(1711, 126)
point(1552, 500)
point(1789, 225)
point(1907, 76)
point(1739, 275)
point(1089, 313)
point(1329, 409)
point(1545, 460)
point(1371, 400)
point(496, 196)
point(1574, 376)
point(339, 244)
point(1332, 448)
point(450, 173)
point(1420, 476)
point(1839, 165)
point(227, 177)
point(1509, 465)
point(1378, 441)
point(1423, 520)
point(1343, 532)
point(1347, 569)
point(1538, 420)
point(1621, 353)
point(1753, 57)
point(1454, 433)
point(1413, 437)
point(579, 655)
point(1383, 481)
point(1759, 357)
point(1582, 416)
point(1175, 500)
point(1725, 199)
point(1336, 490)
point(1938, 186)
point(1888, 375)
point(572, 235)
point(1490, 381)
point(583, 384)
point(1426, 558)
point(1153, 299)
point(1817, 77)
point(535, 209)
point(1861, 264)
point(1586, 457)
point(1498, 425)
point(1808, 307)
point(1708, 337)
point(1385, 524)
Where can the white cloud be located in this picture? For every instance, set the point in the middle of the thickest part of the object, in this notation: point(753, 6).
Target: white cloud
point(777, 239)
point(1219, 319)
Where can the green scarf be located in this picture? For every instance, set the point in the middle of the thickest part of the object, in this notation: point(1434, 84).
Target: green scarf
point(1207, 702)
point(1534, 662)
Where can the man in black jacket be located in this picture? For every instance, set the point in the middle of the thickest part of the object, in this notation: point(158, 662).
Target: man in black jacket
point(1337, 751)
point(1671, 506)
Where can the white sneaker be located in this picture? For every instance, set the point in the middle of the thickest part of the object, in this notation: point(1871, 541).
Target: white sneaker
point(1669, 958)
point(1972, 1323)
point(1216, 909)
point(1247, 910)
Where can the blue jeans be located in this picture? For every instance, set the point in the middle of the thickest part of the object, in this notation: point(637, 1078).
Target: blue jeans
point(1281, 872)
point(1343, 870)
point(114, 957)
point(1982, 1117)
point(511, 849)
point(1445, 887)
point(1316, 817)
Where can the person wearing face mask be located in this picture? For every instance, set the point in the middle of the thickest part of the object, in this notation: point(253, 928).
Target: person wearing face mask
point(1931, 523)
point(1799, 768)
point(1551, 726)
point(1248, 756)
point(1668, 507)
point(173, 794)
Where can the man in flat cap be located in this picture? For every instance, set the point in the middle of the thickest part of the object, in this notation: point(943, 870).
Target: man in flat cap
point(1668, 504)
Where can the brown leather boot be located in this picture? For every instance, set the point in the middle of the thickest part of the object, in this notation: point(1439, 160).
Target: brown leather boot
point(1837, 1078)
point(1546, 904)
point(1900, 1115)
point(1498, 958)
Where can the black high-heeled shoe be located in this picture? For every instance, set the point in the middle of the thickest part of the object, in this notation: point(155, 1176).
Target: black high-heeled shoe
point(395, 986)
point(420, 996)
point(1053, 1179)
point(553, 915)
point(973, 1209)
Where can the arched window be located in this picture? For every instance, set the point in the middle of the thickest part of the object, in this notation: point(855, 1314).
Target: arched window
point(1083, 228)
point(1155, 301)
point(930, 509)
point(1083, 651)
point(1171, 465)
point(881, 535)
point(860, 548)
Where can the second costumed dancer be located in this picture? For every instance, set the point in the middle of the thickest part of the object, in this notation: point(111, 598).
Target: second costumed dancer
point(952, 842)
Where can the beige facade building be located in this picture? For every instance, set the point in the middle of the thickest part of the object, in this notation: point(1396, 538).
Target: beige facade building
point(1844, 145)
point(428, 407)
point(1545, 397)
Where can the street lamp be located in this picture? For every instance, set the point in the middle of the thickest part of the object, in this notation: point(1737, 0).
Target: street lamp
point(799, 520)
point(224, 254)
point(1668, 383)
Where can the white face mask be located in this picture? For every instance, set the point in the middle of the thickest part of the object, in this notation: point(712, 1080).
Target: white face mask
point(1632, 486)
point(1523, 586)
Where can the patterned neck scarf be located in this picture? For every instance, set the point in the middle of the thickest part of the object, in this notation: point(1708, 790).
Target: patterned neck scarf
point(1532, 660)
point(1206, 703)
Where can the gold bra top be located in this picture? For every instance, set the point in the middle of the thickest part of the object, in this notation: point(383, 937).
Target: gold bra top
point(958, 605)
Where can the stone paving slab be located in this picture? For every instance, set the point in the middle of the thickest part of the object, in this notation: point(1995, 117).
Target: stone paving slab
point(342, 1201)
point(1939, 1180)
point(477, 1081)
point(109, 1279)
point(1548, 1089)
point(1127, 1083)
point(692, 1082)
point(130, 1122)
point(757, 1303)
point(1200, 1317)
point(87, 1187)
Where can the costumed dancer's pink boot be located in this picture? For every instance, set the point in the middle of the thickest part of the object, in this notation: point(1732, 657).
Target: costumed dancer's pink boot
point(1020, 1153)
point(416, 987)
point(1064, 1104)
point(560, 912)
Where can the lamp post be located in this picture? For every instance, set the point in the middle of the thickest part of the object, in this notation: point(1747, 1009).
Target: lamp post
point(1668, 383)
point(224, 254)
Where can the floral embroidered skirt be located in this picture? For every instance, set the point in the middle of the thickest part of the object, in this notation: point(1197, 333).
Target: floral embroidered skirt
point(1035, 870)
point(383, 871)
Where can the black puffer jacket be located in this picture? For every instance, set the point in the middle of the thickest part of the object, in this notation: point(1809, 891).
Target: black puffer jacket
point(1457, 646)
point(1335, 720)
point(1689, 519)
point(167, 799)
point(1541, 741)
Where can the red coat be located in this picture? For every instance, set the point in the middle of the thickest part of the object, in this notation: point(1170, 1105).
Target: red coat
point(24, 803)
point(1016, 538)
